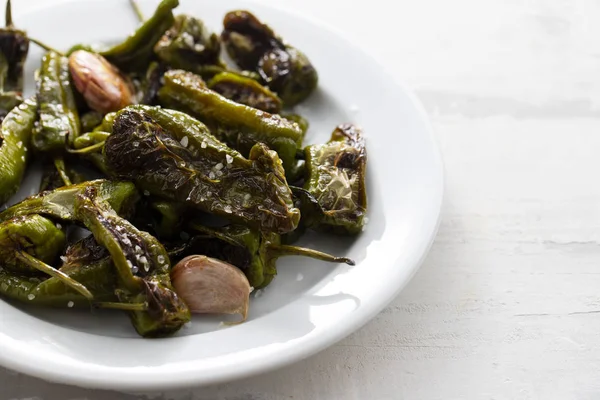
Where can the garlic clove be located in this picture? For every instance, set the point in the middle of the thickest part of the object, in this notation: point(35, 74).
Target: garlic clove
point(102, 85)
point(211, 286)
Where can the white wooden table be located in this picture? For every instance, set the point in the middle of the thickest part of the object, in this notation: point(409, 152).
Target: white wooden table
point(507, 305)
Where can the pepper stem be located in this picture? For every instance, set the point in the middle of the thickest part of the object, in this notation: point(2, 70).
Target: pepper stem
point(45, 46)
point(59, 163)
point(8, 14)
point(122, 306)
point(33, 262)
point(280, 250)
point(89, 149)
point(137, 9)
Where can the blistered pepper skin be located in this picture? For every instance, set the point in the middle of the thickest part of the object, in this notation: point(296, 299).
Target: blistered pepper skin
point(136, 52)
point(336, 179)
point(173, 156)
point(15, 134)
point(59, 123)
point(238, 125)
point(255, 46)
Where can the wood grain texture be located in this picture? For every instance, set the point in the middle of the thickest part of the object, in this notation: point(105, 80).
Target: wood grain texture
point(506, 305)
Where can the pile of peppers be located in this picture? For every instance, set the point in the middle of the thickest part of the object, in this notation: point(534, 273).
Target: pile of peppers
point(156, 152)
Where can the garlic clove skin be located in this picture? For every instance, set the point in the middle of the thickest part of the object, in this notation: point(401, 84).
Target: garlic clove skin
point(211, 286)
point(102, 85)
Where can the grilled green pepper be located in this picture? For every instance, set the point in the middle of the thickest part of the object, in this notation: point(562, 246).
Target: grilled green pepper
point(85, 262)
point(136, 52)
point(29, 243)
point(15, 133)
point(240, 126)
point(254, 253)
point(59, 203)
point(254, 46)
point(142, 266)
point(161, 217)
point(335, 177)
point(246, 91)
point(171, 155)
point(189, 45)
point(53, 178)
point(152, 83)
point(14, 47)
point(59, 123)
point(32, 234)
point(91, 120)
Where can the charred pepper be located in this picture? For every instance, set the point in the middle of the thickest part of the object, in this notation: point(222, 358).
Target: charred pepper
point(253, 252)
point(136, 52)
point(85, 262)
point(14, 46)
point(171, 155)
point(240, 126)
point(142, 266)
point(29, 243)
point(15, 133)
point(254, 46)
point(59, 120)
point(59, 203)
point(189, 45)
point(246, 91)
point(335, 177)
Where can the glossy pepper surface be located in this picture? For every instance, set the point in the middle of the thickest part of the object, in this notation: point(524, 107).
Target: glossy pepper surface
point(15, 134)
point(85, 262)
point(253, 252)
point(14, 47)
point(336, 178)
point(59, 123)
point(189, 45)
point(33, 234)
point(246, 91)
point(173, 156)
point(59, 203)
point(142, 267)
point(254, 46)
point(240, 126)
point(136, 52)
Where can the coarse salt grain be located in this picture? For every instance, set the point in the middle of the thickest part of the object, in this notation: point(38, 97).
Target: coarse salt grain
point(161, 259)
point(63, 259)
point(58, 226)
point(203, 145)
point(185, 141)
point(219, 166)
point(227, 209)
point(31, 296)
point(211, 175)
point(70, 304)
point(20, 144)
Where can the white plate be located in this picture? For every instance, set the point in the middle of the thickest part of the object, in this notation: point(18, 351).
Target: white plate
point(310, 305)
